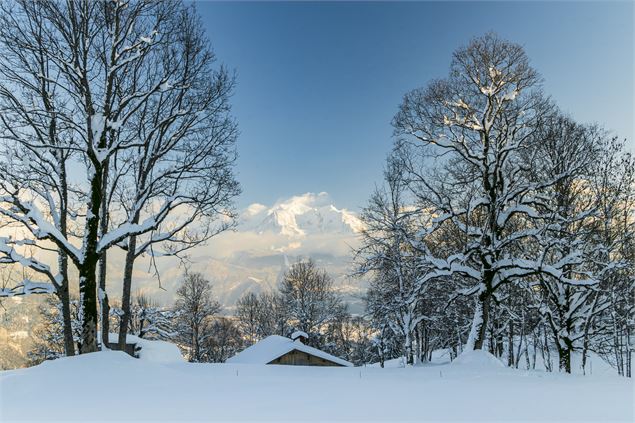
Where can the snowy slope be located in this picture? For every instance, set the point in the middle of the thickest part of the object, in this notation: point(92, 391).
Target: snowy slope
point(79, 388)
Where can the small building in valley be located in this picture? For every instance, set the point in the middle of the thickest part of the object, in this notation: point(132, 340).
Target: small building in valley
point(276, 349)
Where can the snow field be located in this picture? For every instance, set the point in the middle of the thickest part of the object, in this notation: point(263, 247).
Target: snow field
point(159, 387)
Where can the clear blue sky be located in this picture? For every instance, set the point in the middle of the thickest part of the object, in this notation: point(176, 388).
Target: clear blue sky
point(318, 83)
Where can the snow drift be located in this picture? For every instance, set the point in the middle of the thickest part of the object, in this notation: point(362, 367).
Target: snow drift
point(154, 351)
point(478, 360)
point(110, 385)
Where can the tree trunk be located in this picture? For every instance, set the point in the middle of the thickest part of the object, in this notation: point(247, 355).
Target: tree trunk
point(522, 339)
point(380, 351)
point(419, 344)
point(497, 332)
point(125, 296)
point(88, 267)
point(408, 348)
point(585, 349)
point(62, 262)
point(492, 342)
point(478, 332)
point(103, 259)
point(510, 346)
point(64, 297)
point(629, 359)
point(87, 290)
point(195, 344)
point(103, 297)
point(564, 359)
point(533, 356)
point(547, 362)
point(565, 346)
point(426, 343)
point(617, 346)
point(459, 340)
point(527, 362)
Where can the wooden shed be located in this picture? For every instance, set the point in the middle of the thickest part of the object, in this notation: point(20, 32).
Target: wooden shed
point(276, 349)
point(131, 348)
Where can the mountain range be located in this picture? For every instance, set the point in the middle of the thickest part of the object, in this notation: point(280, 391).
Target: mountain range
point(266, 240)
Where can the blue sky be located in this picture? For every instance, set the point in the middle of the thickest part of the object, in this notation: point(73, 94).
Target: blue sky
point(318, 83)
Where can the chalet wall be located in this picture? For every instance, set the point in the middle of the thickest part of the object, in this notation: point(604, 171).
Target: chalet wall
point(299, 358)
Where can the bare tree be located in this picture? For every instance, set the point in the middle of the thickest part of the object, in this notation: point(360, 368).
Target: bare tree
point(185, 153)
point(195, 306)
point(133, 97)
point(261, 315)
point(249, 313)
point(309, 298)
point(613, 184)
point(480, 125)
point(386, 253)
point(224, 340)
point(567, 243)
point(36, 148)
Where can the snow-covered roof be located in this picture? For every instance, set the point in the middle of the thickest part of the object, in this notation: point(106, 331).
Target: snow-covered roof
point(274, 346)
point(297, 334)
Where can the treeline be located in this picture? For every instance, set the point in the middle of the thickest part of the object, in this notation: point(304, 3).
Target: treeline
point(503, 224)
point(305, 300)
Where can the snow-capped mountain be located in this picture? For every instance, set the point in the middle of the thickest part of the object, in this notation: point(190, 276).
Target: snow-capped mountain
point(300, 216)
point(266, 241)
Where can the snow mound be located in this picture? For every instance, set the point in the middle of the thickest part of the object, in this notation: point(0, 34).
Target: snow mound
point(153, 351)
point(393, 363)
point(159, 352)
point(478, 359)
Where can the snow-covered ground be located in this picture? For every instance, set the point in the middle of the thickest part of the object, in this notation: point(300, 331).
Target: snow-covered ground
point(160, 386)
point(595, 365)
